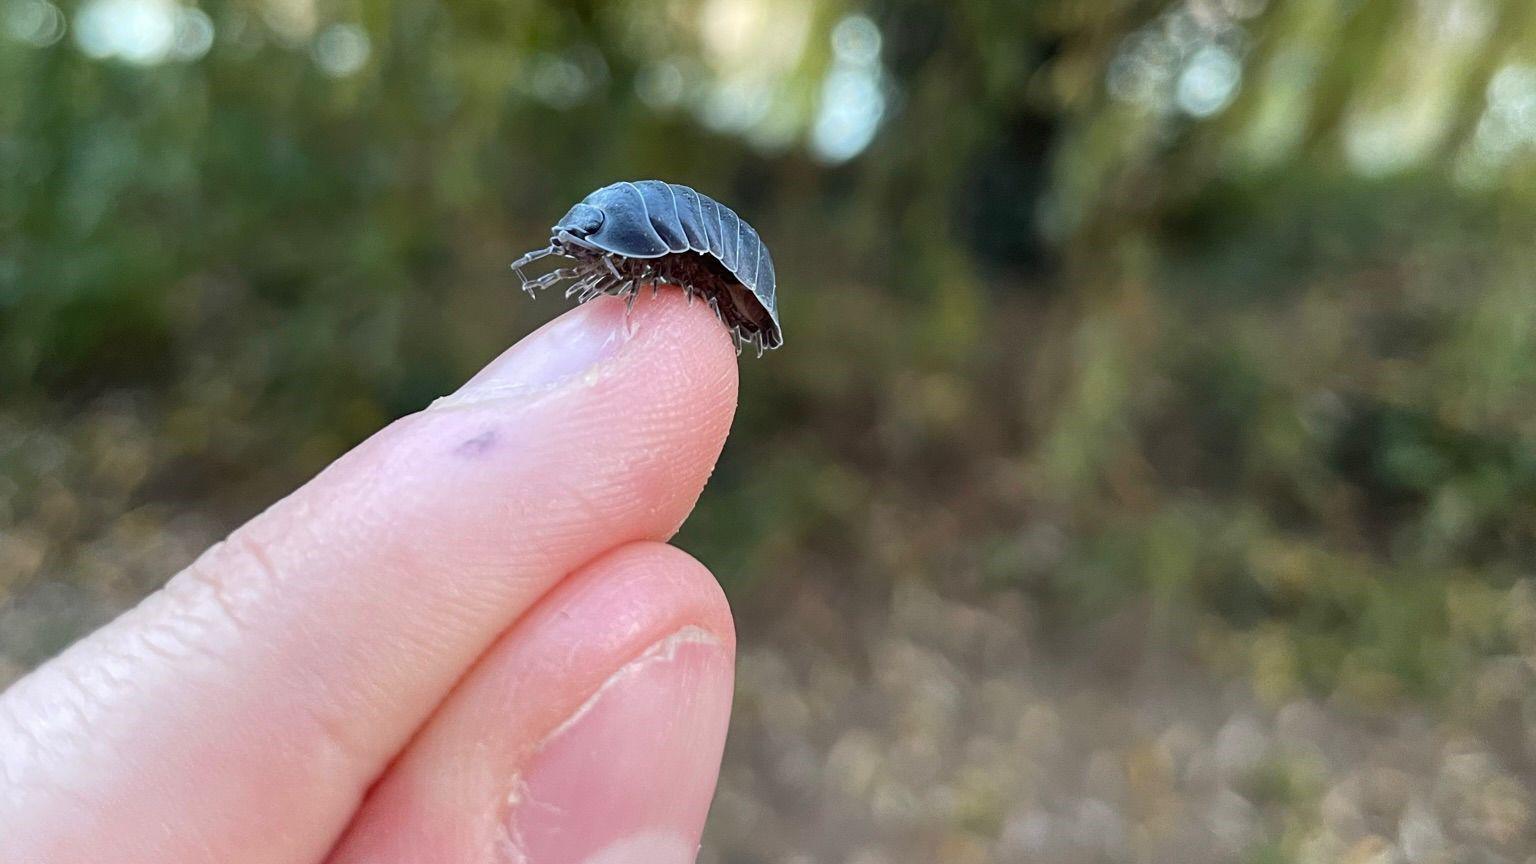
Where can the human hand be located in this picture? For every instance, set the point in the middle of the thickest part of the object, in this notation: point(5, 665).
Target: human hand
point(465, 641)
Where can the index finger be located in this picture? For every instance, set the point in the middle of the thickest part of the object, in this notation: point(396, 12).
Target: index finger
point(271, 681)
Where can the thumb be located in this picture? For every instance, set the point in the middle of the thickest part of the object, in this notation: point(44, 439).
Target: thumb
point(589, 734)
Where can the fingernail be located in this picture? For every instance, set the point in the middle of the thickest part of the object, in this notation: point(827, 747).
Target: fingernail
point(567, 347)
point(629, 777)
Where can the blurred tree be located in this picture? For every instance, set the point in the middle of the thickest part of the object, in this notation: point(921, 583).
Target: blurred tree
point(1232, 297)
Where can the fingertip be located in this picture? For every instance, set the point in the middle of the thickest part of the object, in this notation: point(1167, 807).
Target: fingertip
point(652, 586)
point(591, 342)
point(592, 731)
point(684, 321)
point(687, 353)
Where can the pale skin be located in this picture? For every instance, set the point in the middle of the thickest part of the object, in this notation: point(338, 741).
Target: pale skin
point(465, 641)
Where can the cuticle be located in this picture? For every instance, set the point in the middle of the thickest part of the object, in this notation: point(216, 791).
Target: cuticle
point(690, 634)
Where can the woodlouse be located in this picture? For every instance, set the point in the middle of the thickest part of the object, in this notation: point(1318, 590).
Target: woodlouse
point(648, 232)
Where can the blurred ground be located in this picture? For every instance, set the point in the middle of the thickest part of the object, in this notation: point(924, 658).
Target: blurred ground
point(1150, 471)
point(940, 730)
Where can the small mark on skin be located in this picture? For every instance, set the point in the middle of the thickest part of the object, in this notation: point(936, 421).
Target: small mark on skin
point(478, 445)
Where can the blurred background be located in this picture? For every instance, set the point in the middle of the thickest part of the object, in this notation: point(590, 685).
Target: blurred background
point(1150, 474)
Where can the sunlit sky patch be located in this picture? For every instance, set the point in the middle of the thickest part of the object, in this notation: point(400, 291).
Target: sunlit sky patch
point(142, 32)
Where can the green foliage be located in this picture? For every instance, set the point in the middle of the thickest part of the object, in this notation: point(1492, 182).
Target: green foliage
point(1260, 372)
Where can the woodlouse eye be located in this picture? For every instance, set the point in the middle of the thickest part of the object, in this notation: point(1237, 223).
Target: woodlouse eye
point(583, 219)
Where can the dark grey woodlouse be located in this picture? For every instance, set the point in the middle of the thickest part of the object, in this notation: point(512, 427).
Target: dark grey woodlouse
point(631, 234)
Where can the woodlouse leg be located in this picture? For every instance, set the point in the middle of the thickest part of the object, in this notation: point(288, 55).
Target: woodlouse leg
point(594, 286)
point(578, 288)
point(519, 264)
point(714, 306)
point(630, 291)
point(548, 279)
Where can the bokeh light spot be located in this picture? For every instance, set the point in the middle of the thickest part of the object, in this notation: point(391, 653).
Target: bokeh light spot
point(194, 34)
point(856, 40)
point(852, 95)
point(1141, 70)
point(142, 32)
point(1209, 82)
point(342, 50)
point(1512, 98)
point(660, 85)
point(34, 22)
point(851, 108)
point(735, 105)
point(558, 81)
point(1243, 9)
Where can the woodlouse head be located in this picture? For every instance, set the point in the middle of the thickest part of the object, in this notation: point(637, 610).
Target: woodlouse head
point(579, 221)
